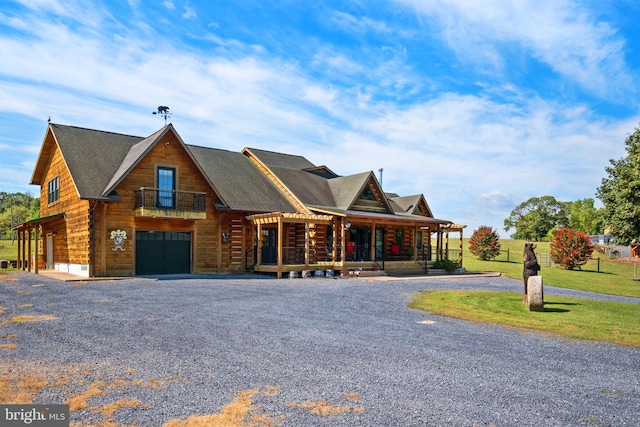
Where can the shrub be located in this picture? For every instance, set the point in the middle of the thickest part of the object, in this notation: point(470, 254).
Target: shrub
point(571, 248)
point(446, 264)
point(485, 243)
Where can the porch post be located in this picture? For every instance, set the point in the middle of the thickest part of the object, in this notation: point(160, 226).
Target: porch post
point(306, 245)
point(279, 246)
point(259, 251)
point(37, 240)
point(446, 249)
point(414, 240)
point(334, 246)
point(19, 263)
point(343, 246)
point(29, 250)
point(24, 249)
point(460, 256)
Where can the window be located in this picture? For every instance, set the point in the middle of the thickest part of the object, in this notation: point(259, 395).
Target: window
point(53, 192)
point(166, 187)
point(367, 194)
point(399, 236)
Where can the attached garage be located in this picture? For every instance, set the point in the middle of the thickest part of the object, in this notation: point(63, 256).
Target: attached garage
point(163, 252)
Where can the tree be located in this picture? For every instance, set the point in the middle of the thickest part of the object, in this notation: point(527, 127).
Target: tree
point(571, 248)
point(15, 209)
point(585, 217)
point(620, 193)
point(485, 243)
point(12, 217)
point(534, 218)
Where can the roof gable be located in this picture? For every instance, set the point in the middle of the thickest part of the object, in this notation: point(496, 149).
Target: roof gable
point(133, 157)
point(359, 192)
point(413, 205)
point(80, 148)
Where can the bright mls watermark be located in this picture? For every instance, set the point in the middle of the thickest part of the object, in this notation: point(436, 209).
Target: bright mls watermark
point(34, 415)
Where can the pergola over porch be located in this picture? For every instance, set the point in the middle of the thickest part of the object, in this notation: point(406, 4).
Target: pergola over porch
point(301, 243)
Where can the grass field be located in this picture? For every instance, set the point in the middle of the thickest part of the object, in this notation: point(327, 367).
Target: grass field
point(8, 249)
point(576, 318)
point(615, 277)
point(9, 252)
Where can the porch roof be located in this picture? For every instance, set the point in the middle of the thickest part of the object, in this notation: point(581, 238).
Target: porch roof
point(35, 221)
point(348, 213)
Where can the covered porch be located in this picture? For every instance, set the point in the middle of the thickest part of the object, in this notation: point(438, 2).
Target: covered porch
point(33, 255)
point(346, 240)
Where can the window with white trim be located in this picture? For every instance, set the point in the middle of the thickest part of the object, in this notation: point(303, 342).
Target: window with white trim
point(53, 190)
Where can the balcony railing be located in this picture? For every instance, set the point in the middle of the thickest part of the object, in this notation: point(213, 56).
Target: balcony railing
point(156, 202)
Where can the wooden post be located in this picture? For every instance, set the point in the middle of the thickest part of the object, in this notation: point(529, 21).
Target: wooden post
point(29, 252)
point(446, 248)
point(279, 253)
point(19, 260)
point(259, 251)
point(334, 246)
point(37, 240)
point(343, 245)
point(460, 256)
point(307, 245)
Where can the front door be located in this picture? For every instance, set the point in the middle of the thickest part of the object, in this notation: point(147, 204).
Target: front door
point(379, 244)
point(49, 251)
point(269, 246)
point(361, 237)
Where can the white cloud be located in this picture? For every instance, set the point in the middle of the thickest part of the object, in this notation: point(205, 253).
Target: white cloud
point(474, 155)
point(563, 34)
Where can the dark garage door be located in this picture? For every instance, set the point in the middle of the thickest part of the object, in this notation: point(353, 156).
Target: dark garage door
point(163, 252)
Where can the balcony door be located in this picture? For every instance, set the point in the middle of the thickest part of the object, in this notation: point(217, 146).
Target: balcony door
point(166, 187)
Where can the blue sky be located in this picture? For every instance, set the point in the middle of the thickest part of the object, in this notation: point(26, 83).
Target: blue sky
point(477, 105)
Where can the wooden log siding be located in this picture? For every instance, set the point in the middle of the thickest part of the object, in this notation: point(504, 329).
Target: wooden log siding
point(71, 243)
point(119, 215)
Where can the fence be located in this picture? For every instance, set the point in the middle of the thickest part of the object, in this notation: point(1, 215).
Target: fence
point(544, 259)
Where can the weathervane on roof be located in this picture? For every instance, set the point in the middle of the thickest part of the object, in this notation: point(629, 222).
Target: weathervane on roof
point(164, 112)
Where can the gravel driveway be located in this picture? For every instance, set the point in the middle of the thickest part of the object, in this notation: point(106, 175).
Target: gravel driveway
point(302, 352)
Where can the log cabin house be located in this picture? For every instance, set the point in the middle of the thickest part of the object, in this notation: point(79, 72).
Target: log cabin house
point(114, 205)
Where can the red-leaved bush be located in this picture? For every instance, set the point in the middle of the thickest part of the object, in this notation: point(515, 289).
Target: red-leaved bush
point(571, 248)
point(484, 243)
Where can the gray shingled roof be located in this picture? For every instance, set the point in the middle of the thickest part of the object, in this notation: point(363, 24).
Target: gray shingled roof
point(239, 183)
point(346, 188)
point(133, 157)
point(272, 159)
point(234, 177)
point(105, 149)
point(308, 187)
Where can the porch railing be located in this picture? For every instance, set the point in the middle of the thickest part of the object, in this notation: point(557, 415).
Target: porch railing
point(169, 199)
point(292, 255)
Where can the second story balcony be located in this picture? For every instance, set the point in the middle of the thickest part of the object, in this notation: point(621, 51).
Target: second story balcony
point(160, 203)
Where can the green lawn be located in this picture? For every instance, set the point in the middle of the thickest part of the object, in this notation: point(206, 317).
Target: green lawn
point(614, 278)
point(570, 317)
point(8, 249)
